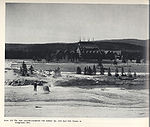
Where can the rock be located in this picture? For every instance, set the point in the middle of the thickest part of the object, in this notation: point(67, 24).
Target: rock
point(46, 89)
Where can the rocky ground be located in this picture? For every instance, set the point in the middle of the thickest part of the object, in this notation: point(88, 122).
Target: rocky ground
point(73, 95)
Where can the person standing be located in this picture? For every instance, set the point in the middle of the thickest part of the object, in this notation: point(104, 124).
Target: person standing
point(35, 85)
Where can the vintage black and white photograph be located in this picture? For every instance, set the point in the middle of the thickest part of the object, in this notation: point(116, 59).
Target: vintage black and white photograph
point(76, 60)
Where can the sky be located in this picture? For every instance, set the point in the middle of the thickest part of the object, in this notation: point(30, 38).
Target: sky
point(53, 22)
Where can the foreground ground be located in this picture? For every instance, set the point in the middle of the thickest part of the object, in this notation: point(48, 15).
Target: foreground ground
point(75, 102)
point(75, 95)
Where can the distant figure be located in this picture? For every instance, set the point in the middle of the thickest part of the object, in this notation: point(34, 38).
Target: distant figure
point(102, 70)
point(109, 72)
point(35, 85)
point(94, 70)
point(31, 69)
point(78, 70)
point(116, 72)
point(85, 71)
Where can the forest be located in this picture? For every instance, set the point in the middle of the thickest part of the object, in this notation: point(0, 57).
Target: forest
point(130, 48)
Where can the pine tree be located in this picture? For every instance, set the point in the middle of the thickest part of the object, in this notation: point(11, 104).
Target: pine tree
point(109, 72)
point(94, 70)
point(24, 69)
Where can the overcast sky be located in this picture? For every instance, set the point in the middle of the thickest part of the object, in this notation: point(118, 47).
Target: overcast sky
point(36, 23)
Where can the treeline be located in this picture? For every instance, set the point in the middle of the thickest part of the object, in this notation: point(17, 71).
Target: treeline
point(35, 51)
point(59, 50)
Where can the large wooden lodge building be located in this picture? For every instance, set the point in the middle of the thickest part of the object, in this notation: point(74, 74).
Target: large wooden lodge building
point(88, 50)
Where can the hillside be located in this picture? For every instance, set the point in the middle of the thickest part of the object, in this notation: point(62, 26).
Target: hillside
point(42, 50)
point(128, 41)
